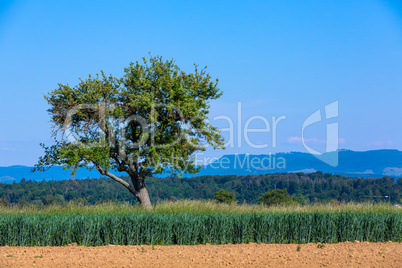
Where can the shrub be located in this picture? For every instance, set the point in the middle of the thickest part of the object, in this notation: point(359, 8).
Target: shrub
point(225, 197)
point(277, 197)
point(300, 199)
point(23, 203)
point(53, 200)
point(3, 202)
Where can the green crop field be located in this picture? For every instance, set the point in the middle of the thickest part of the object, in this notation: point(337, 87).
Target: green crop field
point(190, 223)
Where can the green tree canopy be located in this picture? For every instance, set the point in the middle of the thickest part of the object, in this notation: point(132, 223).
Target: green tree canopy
point(225, 197)
point(277, 197)
point(151, 120)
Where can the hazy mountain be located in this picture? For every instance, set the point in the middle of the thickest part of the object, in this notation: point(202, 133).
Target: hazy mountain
point(16, 173)
point(373, 164)
point(366, 164)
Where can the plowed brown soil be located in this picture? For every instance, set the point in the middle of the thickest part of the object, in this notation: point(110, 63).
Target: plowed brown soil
point(243, 255)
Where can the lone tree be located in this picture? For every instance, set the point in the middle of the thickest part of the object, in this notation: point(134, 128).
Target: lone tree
point(151, 120)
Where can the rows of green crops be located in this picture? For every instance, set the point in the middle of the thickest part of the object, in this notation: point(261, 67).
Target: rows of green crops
point(96, 229)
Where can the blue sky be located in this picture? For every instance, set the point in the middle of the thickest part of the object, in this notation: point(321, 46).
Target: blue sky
point(278, 58)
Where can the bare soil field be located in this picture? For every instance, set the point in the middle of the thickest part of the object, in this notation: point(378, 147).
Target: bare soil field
point(346, 254)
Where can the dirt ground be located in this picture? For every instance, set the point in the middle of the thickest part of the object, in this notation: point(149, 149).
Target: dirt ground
point(243, 255)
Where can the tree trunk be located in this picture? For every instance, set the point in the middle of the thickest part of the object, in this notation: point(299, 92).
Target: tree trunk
point(139, 191)
point(142, 192)
point(143, 198)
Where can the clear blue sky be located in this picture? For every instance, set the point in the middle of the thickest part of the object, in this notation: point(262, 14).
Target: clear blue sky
point(279, 58)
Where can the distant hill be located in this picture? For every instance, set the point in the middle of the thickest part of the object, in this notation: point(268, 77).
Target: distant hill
point(17, 173)
point(366, 164)
point(374, 164)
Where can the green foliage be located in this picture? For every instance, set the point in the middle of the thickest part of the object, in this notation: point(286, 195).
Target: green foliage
point(97, 229)
point(53, 200)
point(165, 110)
point(277, 197)
point(334, 189)
point(3, 202)
point(225, 197)
point(300, 199)
point(23, 203)
point(152, 119)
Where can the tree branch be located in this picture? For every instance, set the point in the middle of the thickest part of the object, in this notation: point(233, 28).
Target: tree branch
point(117, 179)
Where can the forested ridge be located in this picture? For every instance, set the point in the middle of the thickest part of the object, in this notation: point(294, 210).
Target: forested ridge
point(314, 188)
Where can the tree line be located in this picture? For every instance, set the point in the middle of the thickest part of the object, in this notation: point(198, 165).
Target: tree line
point(311, 188)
